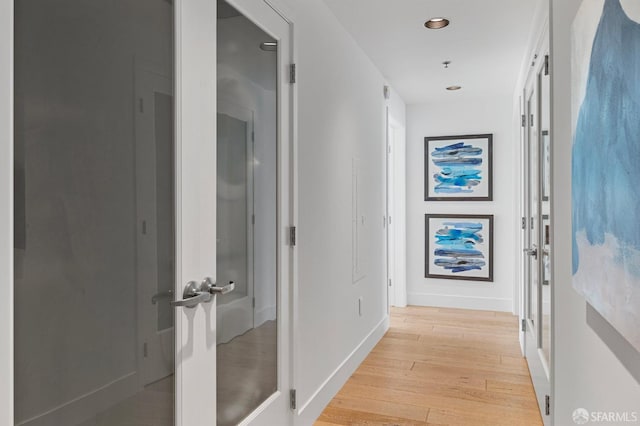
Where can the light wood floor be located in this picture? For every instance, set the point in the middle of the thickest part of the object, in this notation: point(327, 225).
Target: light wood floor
point(440, 366)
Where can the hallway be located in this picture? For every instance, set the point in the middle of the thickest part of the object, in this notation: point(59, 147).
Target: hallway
point(438, 366)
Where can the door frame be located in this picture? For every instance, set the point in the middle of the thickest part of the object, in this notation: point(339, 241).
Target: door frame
point(6, 211)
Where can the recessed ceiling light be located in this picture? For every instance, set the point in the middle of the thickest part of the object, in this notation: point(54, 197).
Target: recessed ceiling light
point(436, 23)
point(454, 87)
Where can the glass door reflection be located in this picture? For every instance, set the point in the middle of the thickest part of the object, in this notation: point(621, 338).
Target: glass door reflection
point(246, 215)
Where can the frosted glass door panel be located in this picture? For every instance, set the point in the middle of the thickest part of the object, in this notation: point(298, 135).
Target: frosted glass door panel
point(94, 143)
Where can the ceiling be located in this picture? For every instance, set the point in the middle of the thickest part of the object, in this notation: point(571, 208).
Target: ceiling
point(485, 42)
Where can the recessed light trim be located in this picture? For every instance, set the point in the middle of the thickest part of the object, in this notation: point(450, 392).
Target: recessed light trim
point(452, 88)
point(436, 23)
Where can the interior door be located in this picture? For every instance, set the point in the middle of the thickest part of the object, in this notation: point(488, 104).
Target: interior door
point(114, 212)
point(254, 211)
point(391, 233)
point(537, 241)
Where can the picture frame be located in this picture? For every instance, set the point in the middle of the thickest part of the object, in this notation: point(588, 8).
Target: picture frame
point(459, 247)
point(458, 168)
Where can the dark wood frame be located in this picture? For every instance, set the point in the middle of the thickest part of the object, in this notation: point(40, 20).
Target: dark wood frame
point(428, 236)
point(428, 166)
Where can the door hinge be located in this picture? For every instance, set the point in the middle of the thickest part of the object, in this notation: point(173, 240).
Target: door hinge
point(547, 405)
point(524, 223)
point(141, 105)
point(524, 120)
point(292, 236)
point(390, 284)
point(253, 219)
point(292, 73)
point(546, 65)
point(253, 302)
point(145, 350)
point(144, 227)
point(292, 399)
point(532, 223)
point(531, 120)
point(523, 325)
point(389, 149)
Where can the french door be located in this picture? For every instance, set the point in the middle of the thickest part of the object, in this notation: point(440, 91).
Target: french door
point(536, 232)
point(144, 198)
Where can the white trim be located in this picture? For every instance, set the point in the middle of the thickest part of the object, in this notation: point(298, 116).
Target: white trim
point(86, 406)
point(6, 212)
point(462, 302)
point(312, 408)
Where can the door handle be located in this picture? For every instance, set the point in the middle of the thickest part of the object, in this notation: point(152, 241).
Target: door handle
point(533, 252)
point(210, 286)
point(192, 296)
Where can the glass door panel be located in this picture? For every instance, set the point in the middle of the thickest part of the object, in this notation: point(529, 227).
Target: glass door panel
point(95, 213)
point(247, 215)
point(534, 213)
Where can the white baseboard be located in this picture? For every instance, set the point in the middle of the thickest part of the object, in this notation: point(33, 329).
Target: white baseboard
point(84, 407)
point(265, 314)
point(462, 302)
point(311, 409)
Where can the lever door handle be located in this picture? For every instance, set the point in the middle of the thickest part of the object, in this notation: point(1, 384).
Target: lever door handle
point(210, 286)
point(192, 296)
point(533, 252)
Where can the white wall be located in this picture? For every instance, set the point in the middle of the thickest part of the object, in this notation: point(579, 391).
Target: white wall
point(341, 113)
point(461, 117)
point(585, 372)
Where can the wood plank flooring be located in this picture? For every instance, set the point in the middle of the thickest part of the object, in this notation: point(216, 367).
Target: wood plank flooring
point(439, 366)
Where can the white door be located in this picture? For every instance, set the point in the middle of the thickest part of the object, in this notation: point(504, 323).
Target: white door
point(537, 229)
point(391, 232)
point(110, 216)
point(254, 158)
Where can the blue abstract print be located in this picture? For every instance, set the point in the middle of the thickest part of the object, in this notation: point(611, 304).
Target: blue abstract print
point(456, 244)
point(606, 150)
point(605, 175)
point(459, 165)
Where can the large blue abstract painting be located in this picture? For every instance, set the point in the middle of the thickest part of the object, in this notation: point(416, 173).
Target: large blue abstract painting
point(459, 247)
point(458, 168)
point(606, 161)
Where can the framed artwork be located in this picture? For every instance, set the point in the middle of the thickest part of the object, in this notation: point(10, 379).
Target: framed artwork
point(458, 168)
point(546, 165)
point(459, 246)
point(546, 247)
point(605, 172)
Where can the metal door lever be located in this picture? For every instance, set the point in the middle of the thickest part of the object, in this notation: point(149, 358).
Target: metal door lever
point(533, 252)
point(192, 296)
point(210, 286)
